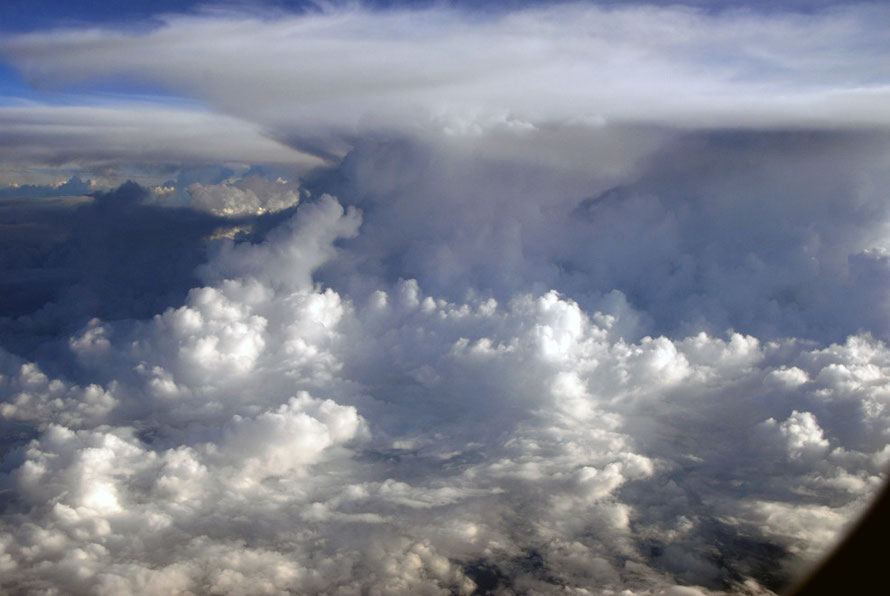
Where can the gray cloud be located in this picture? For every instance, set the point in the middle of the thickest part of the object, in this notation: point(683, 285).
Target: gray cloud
point(763, 232)
point(317, 80)
point(121, 135)
point(72, 187)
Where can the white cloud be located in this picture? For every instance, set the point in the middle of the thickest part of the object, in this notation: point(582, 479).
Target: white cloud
point(561, 331)
point(294, 250)
point(274, 434)
point(250, 196)
point(31, 395)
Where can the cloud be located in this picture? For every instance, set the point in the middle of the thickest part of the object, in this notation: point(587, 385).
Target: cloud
point(71, 187)
point(250, 196)
point(763, 232)
point(555, 399)
point(109, 255)
point(126, 253)
point(318, 80)
point(274, 433)
point(103, 136)
point(571, 299)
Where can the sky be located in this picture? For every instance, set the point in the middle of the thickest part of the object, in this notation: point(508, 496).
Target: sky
point(440, 297)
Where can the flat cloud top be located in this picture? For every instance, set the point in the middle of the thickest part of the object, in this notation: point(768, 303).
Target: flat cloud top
point(312, 79)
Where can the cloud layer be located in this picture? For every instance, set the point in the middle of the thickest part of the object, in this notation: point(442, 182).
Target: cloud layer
point(107, 136)
point(271, 435)
point(317, 80)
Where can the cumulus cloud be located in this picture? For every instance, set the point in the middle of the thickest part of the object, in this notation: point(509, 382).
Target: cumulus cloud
point(272, 433)
point(577, 300)
point(254, 195)
point(763, 232)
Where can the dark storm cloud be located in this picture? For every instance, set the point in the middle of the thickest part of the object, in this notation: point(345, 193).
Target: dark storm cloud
point(114, 255)
point(763, 232)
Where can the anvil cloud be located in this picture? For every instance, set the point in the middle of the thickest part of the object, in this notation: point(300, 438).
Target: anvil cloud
point(317, 80)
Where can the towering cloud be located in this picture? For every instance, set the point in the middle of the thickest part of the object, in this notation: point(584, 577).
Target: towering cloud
point(569, 299)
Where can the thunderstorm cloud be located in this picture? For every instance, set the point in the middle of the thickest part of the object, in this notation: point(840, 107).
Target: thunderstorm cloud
point(576, 298)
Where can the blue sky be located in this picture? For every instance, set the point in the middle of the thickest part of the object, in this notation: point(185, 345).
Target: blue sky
point(28, 15)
